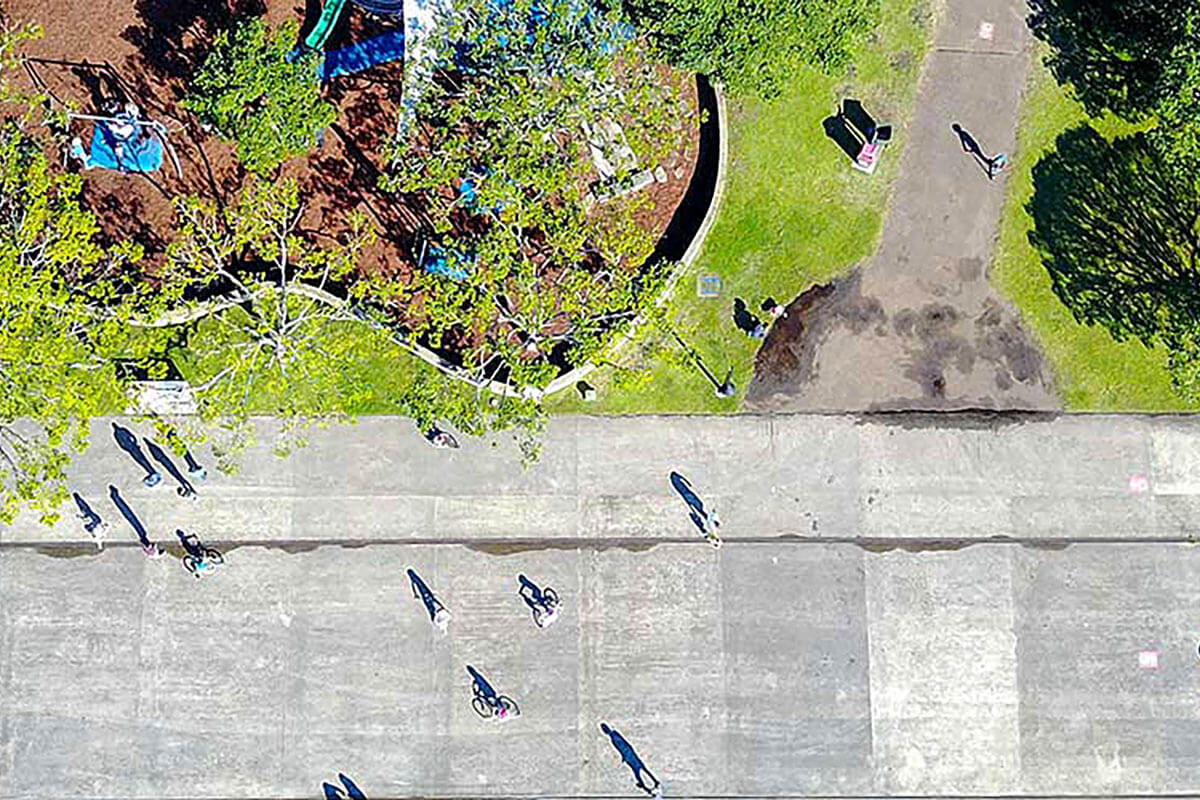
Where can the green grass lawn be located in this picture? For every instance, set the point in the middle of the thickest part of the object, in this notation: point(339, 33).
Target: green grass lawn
point(794, 214)
point(1094, 372)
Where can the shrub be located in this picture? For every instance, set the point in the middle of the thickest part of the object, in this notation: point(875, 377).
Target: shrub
point(255, 95)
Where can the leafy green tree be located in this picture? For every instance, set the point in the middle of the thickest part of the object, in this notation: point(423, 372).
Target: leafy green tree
point(754, 47)
point(66, 307)
point(255, 95)
point(1119, 232)
point(540, 267)
point(281, 344)
point(1115, 54)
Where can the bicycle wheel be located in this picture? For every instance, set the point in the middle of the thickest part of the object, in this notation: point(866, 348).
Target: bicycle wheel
point(510, 707)
point(539, 618)
point(189, 562)
point(551, 596)
point(481, 707)
point(213, 556)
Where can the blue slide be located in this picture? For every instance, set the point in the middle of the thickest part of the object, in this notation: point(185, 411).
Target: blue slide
point(364, 55)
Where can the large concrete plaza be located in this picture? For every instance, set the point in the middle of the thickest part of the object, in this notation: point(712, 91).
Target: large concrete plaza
point(862, 631)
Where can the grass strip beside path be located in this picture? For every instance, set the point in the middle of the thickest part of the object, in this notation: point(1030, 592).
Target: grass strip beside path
point(1094, 372)
point(795, 214)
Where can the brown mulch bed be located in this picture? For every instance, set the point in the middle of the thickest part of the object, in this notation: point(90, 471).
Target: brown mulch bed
point(146, 50)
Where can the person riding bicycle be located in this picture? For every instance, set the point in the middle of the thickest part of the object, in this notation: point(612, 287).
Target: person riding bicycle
point(196, 549)
point(539, 601)
point(484, 692)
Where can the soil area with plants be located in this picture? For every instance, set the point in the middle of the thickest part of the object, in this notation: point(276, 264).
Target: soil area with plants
point(94, 51)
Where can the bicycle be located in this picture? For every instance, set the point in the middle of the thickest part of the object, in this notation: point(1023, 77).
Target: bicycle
point(198, 558)
point(547, 611)
point(487, 703)
point(543, 602)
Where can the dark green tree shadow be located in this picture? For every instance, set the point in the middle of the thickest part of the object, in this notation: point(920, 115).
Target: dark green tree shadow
point(1112, 52)
point(1117, 232)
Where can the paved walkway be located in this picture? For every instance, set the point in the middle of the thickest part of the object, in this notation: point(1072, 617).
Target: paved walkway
point(895, 477)
point(845, 641)
point(919, 326)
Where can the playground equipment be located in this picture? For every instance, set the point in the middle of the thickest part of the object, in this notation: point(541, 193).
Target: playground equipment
point(361, 55)
point(122, 138)
point(124, 141)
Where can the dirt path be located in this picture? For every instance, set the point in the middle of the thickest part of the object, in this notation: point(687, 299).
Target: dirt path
point(918, 326)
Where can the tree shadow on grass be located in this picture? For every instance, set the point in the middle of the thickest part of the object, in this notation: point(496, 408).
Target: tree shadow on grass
point(1116, 230)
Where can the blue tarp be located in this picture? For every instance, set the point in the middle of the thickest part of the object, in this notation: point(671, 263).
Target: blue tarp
point(364, 55)
point(385, 7)
point(144, 155)
point(437, 263)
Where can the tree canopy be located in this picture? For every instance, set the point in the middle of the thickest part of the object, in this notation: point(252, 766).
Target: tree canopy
point(257, 93)
point(754, 47)
point(1119, 233)
point(65, 307)
point(1136, 58)
point(535, 261)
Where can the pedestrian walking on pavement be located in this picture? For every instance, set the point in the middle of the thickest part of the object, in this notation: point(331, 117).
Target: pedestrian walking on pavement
point(95, 527)
point(129, 443)
point(995, 164)
point(704, 518)
point(185, 488)
point(992, 165)
point(195, 471)
point(438, 614)
point(630, 757)
point(151, 549)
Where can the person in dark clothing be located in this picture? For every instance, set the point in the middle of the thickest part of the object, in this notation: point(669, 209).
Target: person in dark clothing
point(150, 548)
point(631, 758)
point(128, 442)
point(438, 614)
point(185, 488)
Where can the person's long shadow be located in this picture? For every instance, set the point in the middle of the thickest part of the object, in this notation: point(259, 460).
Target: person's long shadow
point(185, 487)
point(128, 442)
point(422, 590)
point(694, 503)
point(130, 517)
point(969, 145)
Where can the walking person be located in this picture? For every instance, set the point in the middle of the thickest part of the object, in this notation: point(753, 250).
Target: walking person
point(438, 614)
point(128, 442)
point(95, 527)
point(195, 471)
point(185, 488)
point(746, 322)
point(704, 518)
point(630, 757)
point(991, 164)
point(151, 549)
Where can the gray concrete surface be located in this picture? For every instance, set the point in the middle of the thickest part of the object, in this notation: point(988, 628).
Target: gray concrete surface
point(861, 632)
point(903, 478)
point(918, 326)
